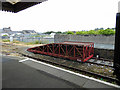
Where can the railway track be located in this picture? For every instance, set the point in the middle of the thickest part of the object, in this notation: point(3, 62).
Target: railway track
point(72, 66)
point(101, 61)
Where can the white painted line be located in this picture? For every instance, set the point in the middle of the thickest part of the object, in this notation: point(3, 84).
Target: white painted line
point(25, 60)
point(107, 83)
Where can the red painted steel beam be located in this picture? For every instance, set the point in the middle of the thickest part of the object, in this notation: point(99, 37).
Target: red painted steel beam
point(74, 51)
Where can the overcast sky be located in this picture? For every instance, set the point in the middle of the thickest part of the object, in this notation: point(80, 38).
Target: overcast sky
point(63, 15)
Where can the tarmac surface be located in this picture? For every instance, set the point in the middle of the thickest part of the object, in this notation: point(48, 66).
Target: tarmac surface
point(19, 75)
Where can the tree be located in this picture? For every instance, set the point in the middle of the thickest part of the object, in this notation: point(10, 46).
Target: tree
point(81, 32)
point(107, 32)
point(70, 32)
point(92, 32)
point(49, 32)
point(5, 35)
point(59, 32)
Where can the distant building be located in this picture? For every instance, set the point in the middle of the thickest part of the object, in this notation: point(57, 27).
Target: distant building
point(6, 30)
point(23, 33)
point(52, 35)
point(1, 30)
point(28, 32)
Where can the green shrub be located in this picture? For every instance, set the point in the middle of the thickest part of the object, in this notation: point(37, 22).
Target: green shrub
point(59, 32)
point(93, 32)
point(106, 32)
point(81, 32)
point(40, 42)
point(29, 43)
point(6, 40)
point(49, 32)
point(5, 35)
point(43, 42)
point(37, 42)
point(70, 32)
point(101, 32)
point(15, 41)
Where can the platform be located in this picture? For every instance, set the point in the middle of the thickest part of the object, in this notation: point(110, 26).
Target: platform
point(75, 78)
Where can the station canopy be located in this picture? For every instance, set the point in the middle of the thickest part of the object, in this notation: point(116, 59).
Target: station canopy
point(18, 5)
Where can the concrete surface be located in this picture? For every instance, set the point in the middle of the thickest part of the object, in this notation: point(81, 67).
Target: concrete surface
point(78, 79)
point(19, 75)
point(97, 39)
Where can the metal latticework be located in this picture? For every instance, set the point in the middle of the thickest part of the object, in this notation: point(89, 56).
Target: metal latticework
point(80, 51)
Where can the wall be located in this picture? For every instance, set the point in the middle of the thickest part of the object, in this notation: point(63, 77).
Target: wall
point(32, 39)
point(98, 39)
point(104, 53)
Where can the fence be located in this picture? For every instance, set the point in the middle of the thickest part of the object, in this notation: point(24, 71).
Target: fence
point(25, 39)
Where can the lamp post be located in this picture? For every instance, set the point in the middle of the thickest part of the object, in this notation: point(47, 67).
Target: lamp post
point(117, 46)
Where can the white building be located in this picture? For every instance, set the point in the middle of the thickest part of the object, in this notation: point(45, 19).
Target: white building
point(52, 35)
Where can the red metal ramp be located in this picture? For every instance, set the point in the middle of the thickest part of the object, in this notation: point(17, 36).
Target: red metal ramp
point(80, 51)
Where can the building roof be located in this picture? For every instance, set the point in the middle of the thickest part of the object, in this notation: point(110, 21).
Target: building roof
point(28, 31)
point(9, 7)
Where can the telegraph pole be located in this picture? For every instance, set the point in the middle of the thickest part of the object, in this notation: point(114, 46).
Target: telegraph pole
point(117, 46)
